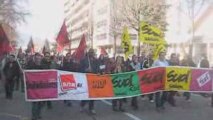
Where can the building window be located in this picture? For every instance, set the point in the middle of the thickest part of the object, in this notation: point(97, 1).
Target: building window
point(101, 36)
point(101, 23)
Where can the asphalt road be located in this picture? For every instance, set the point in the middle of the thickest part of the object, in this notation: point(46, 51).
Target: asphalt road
point(198, 109)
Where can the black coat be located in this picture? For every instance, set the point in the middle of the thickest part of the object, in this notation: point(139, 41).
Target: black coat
point(32, 65)
point(45, 64)
point(11, 70)
point(85, 64)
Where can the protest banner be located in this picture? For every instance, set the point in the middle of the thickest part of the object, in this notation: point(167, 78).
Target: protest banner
point(177, 78)
point(44, 85)
point(201, 80)
point(72, 86)
point(100, 86)
point(126, 84)
point(152, 80)
point(41, 84)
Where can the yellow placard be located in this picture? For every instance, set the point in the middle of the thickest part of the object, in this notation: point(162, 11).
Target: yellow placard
point(177, 78)
point(126, 43)
point(150, 34)
point(157, 50)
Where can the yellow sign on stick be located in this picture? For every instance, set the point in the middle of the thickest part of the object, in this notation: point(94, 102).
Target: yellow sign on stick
point(126, 43)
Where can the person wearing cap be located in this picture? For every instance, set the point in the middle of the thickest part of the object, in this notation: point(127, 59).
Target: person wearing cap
point(11, 72)
point(89, 64)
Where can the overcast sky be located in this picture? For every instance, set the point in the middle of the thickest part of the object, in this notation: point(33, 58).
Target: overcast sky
point(47, 17)
point(44, 22)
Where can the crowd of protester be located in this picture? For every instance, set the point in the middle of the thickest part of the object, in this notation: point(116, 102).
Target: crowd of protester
point(12, 72)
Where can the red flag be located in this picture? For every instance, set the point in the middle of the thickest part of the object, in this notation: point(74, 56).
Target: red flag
point(73, 54)
point(30, 46)
point(80, 51)
point(5, 46)
point(103, 51)
point(62, 38)
point(59, 48)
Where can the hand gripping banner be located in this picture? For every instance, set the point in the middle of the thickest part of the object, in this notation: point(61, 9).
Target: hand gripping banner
point(44, 85)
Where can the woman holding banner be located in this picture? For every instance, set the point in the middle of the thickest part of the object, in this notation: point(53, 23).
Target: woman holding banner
point(135, 65)
point(89, 65)
point(119, 67)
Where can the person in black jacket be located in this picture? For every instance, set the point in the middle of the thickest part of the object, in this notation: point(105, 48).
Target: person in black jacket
point(171, 94)
point(11, 72)
point(187, 61)
point(68, 66)
point(36, 106)
point(89, 65)
point(145, 64)
point(46, 64)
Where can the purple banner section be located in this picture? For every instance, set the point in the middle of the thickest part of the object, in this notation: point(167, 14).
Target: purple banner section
point(41, 84)
point(202, 80)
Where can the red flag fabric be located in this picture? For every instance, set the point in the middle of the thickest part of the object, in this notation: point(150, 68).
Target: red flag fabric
point(73, 54)
point(62, 38)
point(59, 48)
point(103, 51)
point(5, 46)
point(80, 51)
point(30, 46)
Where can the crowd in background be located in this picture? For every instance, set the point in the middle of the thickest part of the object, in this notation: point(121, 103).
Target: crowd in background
point(12, 74)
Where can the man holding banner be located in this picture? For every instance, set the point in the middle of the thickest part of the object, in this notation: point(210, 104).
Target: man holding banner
point(160, 99)
point(89, 65)
point(36, 106)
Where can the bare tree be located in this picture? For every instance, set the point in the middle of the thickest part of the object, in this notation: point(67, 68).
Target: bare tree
point(116, 22)
point(192, 8)
point(151, 11)
point(11, 12)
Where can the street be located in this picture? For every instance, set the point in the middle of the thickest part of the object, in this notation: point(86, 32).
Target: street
point(19, 109)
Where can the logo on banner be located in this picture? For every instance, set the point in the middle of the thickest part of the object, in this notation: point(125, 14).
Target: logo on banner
point(203, 79)
point(68, 82)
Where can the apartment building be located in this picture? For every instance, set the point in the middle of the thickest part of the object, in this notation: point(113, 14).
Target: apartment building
point(95, 19)
point(179, 33)
point(78, 16)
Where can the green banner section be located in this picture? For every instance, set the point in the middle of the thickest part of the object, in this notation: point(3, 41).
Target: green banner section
point(126, 84)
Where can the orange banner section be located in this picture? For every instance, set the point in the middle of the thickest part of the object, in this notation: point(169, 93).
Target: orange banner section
point(100, 86)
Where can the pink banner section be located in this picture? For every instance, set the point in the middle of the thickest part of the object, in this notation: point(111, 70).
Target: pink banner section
point(201, 80)
point(41, 84)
